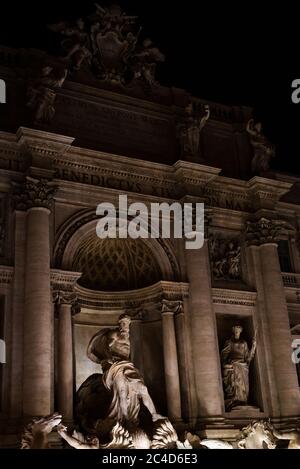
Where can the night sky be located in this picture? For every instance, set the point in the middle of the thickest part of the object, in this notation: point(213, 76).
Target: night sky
point(229, 52)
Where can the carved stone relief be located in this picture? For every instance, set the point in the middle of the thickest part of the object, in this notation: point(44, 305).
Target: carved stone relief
point(225, 255)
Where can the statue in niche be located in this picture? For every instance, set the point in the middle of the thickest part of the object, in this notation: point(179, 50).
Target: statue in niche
point(263, 149)
point(189, 130)
point(235, 359)
point(117, 396)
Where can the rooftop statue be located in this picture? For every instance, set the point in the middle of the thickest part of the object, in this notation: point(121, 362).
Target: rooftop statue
point(262, 148)
point(189, 129)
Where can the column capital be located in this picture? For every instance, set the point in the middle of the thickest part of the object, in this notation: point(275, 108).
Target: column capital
point(264, 231)
point(138, 314)
point(33, 193)
point(61, 297)
point(63, 289)
point(171, 307)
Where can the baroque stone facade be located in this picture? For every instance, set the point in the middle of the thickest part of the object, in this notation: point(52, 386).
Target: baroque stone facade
point(100, 129)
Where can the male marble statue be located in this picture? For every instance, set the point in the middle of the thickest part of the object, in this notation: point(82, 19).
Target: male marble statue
point(116, 395)
point(111, 348)
point(235, 359)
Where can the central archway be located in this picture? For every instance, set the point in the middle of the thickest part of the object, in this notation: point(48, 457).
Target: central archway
point(115, 264)
point(120, 275)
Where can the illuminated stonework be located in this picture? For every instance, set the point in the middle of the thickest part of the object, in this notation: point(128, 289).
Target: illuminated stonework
point(115, 264)
point(88, 136)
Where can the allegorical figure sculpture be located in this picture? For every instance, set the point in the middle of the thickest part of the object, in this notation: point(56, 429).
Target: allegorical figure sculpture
point(115, 395)
point(235, 360)
point(190, 128)
point(35, 434)
point(292, 436)
point(262, 148)
point(225, 255)
point(106, 42)
point(145, 61)
point(111, 348)
point(42, 91)
point(76, 42)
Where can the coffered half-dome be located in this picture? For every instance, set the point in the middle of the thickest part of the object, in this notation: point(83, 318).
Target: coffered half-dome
point(115, 264)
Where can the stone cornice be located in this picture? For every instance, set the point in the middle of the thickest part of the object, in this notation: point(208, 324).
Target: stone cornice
point(45, 144)
point(63, 279)
point(288, 208)
point(170, 291)
point(265, 193)
point(173, 181)
point(194, 174)
point(63, 289)
point(116, 166)
point(234, 297)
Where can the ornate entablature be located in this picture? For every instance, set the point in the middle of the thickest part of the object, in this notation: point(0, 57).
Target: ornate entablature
point(234, 297)
point(133, 300)
point(63, 289)
point(63, 280)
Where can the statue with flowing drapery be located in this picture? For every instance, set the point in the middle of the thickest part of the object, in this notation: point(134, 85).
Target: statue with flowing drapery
point(235, 360)
point(115, 395)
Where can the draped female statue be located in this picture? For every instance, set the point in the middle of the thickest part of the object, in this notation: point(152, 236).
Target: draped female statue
point(235, 360)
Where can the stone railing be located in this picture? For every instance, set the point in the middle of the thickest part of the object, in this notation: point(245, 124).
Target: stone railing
point(290, 279)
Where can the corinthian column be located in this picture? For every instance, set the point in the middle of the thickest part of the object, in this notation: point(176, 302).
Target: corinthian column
point(262, 235)
point(66, 306)
point(37, 196)
point(136, 339)
point(17, 318)
point(171, 359)
point(203, 331)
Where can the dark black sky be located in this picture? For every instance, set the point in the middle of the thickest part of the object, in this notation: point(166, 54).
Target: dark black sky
point(230, 52)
